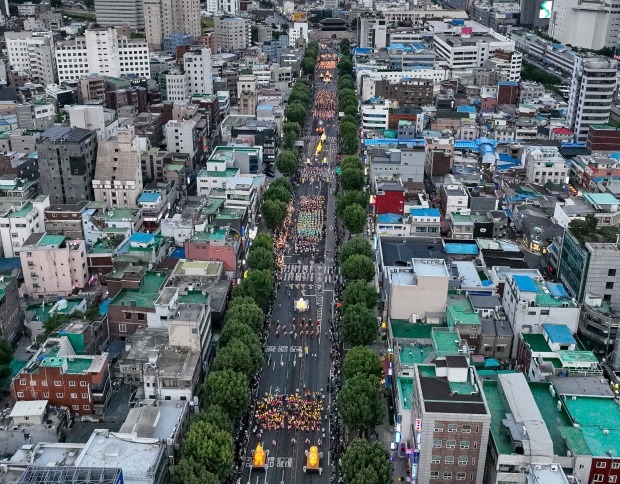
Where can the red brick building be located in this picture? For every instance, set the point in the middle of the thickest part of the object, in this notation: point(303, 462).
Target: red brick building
point(390, 198)
point(55, 373)
point(602, 137)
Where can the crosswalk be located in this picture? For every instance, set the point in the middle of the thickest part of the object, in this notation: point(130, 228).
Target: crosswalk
point(298, 273)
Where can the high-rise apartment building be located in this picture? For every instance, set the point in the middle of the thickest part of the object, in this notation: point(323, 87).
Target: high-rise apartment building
point(102, 51)
point(232, 33)
point(591, 25)
point(162, 18)
point(32, 52)
point(372, 31)
point(198, 72)
point(118, 174)
point(591, 93)
point(111, 13)
point(67, 163)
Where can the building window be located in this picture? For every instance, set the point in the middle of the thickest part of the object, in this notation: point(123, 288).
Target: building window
point(71, 383)
point(57, 383)
point(464, 444)
point(460, 476)
point(463, 460)
point(22, 382)
point(449, 459)
point(613, 479)
point(46, 395)
point(74, 395)
point(598, 478)
point(609, 285)
point(84, 395)
point(44, 383)
point(611, 273)
point(75, 407)
point(86, 407)
point(435, 459)
point(615, 465)
point(450, 444)
point(122, 328)
point(438, 427)
point(20, 394)
point(466, 429)
point(452, 427)
point(437, 444)
point(434, 474)
point(447, 476)
point(60, 395)
point(601, 465)
point(83, 383)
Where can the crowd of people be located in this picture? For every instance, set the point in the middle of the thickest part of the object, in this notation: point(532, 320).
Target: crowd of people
point(310, 226)
point(301, 411)
point(324, 105)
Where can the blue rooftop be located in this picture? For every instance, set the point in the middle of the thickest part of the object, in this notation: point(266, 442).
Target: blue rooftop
point(389, 218)
point(508, 83)
point(525, 283)
point(425, 212)
point(362, 50)
point(178, 253)
point(557, 290)
point(456, 248)
point(149, 197)
point(141, 238)
point(559, 333)
point(508, 158)
point(466, 109)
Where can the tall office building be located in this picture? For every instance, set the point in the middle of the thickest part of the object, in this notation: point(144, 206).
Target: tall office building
point(162, 18)
point(102, 51)
point(32, 52)
point(198, 72)
point(67, 163)
point(591, 93)
point(591, 25)
point(372, 32)
point(232, 33)
point(111, 13)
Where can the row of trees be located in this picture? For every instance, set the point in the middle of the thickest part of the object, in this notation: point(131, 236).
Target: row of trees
point(347, 101)
point(352, 204)
point(274, 205)
point(308, 63)
point(208, 450)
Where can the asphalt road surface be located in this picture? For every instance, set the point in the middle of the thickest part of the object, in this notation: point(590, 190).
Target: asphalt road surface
point(297, 365)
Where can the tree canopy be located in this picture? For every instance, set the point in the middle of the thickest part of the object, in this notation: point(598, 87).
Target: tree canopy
point(354, 218)
point(358, 326)
point(261, 258)
point(359, 292)
point(210, 446)
point(262, 240)
point(258, 285)
point(236, 330)
point(367, 463)
point(361, 361)
point(349, 198)
point(188, 471)
point(228, 389)
point(236, 356)
point(358, 267)
point(217, 416)
point(287, 162)
point(361, 404)
point(273, 212)
point(246, 312)
point(352, 179)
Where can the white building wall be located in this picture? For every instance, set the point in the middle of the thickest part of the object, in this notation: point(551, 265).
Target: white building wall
point(198, 72)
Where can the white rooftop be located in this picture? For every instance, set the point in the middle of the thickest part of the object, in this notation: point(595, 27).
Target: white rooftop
point(31, 408)
point(466, 271)
point(429, 267)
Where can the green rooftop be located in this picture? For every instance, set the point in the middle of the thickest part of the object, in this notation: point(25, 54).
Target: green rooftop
point(174, 167)
point(537, 343)
point(459, 311)
point(42, 311)
point(194, 297)
point(118, 214)
point(577, 358)
point(75, 365)
point(213, 206)
point(107, 245)
point(500, 434)
point(600, 198)
point(22, 212)
point(412, 355)
point(554, 420)
point(405, 390)
point(445, 342)
point(217, 236)
point(595, 415)
point(227, 173)
point(52, 240)
point(427, 371)
point(144, 297)
point(403, 329)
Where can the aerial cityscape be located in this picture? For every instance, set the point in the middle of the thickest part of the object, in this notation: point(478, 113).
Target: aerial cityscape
point(327, 242)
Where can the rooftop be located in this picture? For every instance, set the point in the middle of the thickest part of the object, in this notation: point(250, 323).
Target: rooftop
point(144, 297)
point(600, 198)
point(559, 333)
point(445, 342)
point(403, 329)
point(536, 342)
point(460, 311)
point(405, 391)
point(599, 422)
point(429, 267)
point(554, 419)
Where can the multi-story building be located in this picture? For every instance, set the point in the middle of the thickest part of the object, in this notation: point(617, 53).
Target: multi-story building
point(184, 137)
point(55, 373)
point(162, 18)
point(453, 198)
point(545, 164)
point(529, 302)
point(103, 51)
point(591, 25)
point(19, 223)
point(112, 13)
point(32, 52)
point(452, 420)
point(198, 72)
point(232, 33)
point(118, 172)
point(409, 91)
point(590, 268)
point(36, 115)
point(591, 93)
point(16, 192)
point(67, 163)
point(65, 220)
point(298, 33)
point(11, 312)
point(94, 117)
point(462, 50)
point(372, 32)
point(53, 265)
point(376, 116)
point(246, 94)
